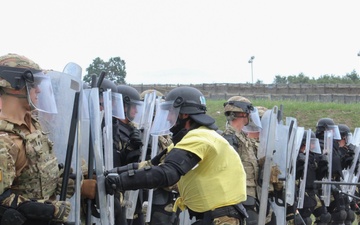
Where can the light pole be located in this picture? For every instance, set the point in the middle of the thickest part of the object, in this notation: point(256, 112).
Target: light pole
point(252, 71)
point(359, 53)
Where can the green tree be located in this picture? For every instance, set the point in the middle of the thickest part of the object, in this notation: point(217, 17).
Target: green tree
point(280, 80)
point(114, 68)
point(353, 77)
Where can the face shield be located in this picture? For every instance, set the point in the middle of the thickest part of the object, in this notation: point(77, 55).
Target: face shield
point(315, 146)
point(254, 124)
point(165, 118)
point(118, 106)
point(335, 130)
point(40, 93)
point(133, 111)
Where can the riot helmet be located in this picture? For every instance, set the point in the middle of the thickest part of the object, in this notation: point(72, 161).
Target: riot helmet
point(325, 124)
point(239, 104)
point(18, 72)
point(133, 106)
point(116, 98)
point(314, 142)
point(181, 100)
point(345, 133)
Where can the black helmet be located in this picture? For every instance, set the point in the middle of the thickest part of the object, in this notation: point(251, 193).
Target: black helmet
point(344, 130)
point(190, 101)
point(107, 84)
point(128, 93)
point(303, 142)
point(323, 124)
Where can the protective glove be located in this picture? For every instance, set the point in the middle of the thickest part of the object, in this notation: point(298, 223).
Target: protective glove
point(300, 164)
point(61, 212)
point(135, 139)
point(322, 167)
point(88, 188)
point(112, 184)
point(56, 211)
point(70, 187)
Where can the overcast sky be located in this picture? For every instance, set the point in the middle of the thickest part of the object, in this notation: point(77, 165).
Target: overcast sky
point(188, 41)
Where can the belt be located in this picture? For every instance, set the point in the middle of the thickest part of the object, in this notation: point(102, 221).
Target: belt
point(237, 211)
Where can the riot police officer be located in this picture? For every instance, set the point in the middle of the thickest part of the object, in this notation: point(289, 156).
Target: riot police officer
point(202, 163)
point(337, 205)
point(127, 145)
point(347, 151)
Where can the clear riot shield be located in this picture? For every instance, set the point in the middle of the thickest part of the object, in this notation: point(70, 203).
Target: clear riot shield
point(303, 179)
point(65, 86)
point(328, 147)
point(268, 135)
point(146, 119)
point(96, 140)
point(108, 145)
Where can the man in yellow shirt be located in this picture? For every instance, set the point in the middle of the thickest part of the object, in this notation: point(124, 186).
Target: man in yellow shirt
point(203, 164)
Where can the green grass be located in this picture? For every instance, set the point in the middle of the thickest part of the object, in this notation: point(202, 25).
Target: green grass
point(306, 113)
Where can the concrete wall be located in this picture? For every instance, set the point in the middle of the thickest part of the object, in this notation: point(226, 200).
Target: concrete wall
point(341, 93)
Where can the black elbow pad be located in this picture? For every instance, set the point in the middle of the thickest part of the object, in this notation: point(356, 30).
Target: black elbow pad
point(182, 160)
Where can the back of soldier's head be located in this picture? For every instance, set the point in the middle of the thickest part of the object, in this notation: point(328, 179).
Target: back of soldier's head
point(237, 104)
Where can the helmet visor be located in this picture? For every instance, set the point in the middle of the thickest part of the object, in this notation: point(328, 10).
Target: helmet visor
point(335, 130)
point(133, 111)
point(165, 118)
point(118, 106)
point(315, 146)
point(254, 124)
point(40, 93)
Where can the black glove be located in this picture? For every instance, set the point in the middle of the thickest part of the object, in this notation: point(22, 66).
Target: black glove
point(322, 167)
point(112, 184)
point(12, 217)
point(300, 163)
point(135, 139)
point(157, 159)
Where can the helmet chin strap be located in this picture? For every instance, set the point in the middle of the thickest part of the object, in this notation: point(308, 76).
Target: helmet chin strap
point(15, 95)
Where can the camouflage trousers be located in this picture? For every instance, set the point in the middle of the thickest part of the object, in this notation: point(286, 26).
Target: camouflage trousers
point(225, 220)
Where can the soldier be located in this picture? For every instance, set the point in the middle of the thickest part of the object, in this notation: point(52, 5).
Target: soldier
point(255, 133)
point(237, 111)
point(347, 152)
point(127, 146)
point(337, 204)
point(30, 175)
point(202, 163)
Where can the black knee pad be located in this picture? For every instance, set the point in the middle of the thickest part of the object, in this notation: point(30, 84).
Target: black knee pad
point(339, 216)
point(324, 218)
point(350, 218)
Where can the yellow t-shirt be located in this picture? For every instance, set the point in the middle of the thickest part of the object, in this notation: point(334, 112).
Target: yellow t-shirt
point(218, 180)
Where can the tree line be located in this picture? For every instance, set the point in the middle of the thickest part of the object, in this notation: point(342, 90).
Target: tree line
point(115, 68)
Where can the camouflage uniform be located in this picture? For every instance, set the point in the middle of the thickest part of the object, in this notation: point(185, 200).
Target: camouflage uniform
point(29, 172)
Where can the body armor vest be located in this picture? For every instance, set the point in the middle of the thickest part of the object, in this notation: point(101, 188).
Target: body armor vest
point(39, 179)
point(123, 152)
point(245, 148)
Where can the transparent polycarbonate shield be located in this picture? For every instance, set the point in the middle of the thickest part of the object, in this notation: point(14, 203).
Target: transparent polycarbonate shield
point(165, 118)
point(328, 147)
point(117, 106)
point(96, 137)
point(254, 122)
point(268, 136)
point(281, 143)
point(304, 177)
point(356, 136)
point(265, 121)
point(108, 144)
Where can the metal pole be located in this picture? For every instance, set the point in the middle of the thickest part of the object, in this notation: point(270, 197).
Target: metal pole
point(252, 71)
